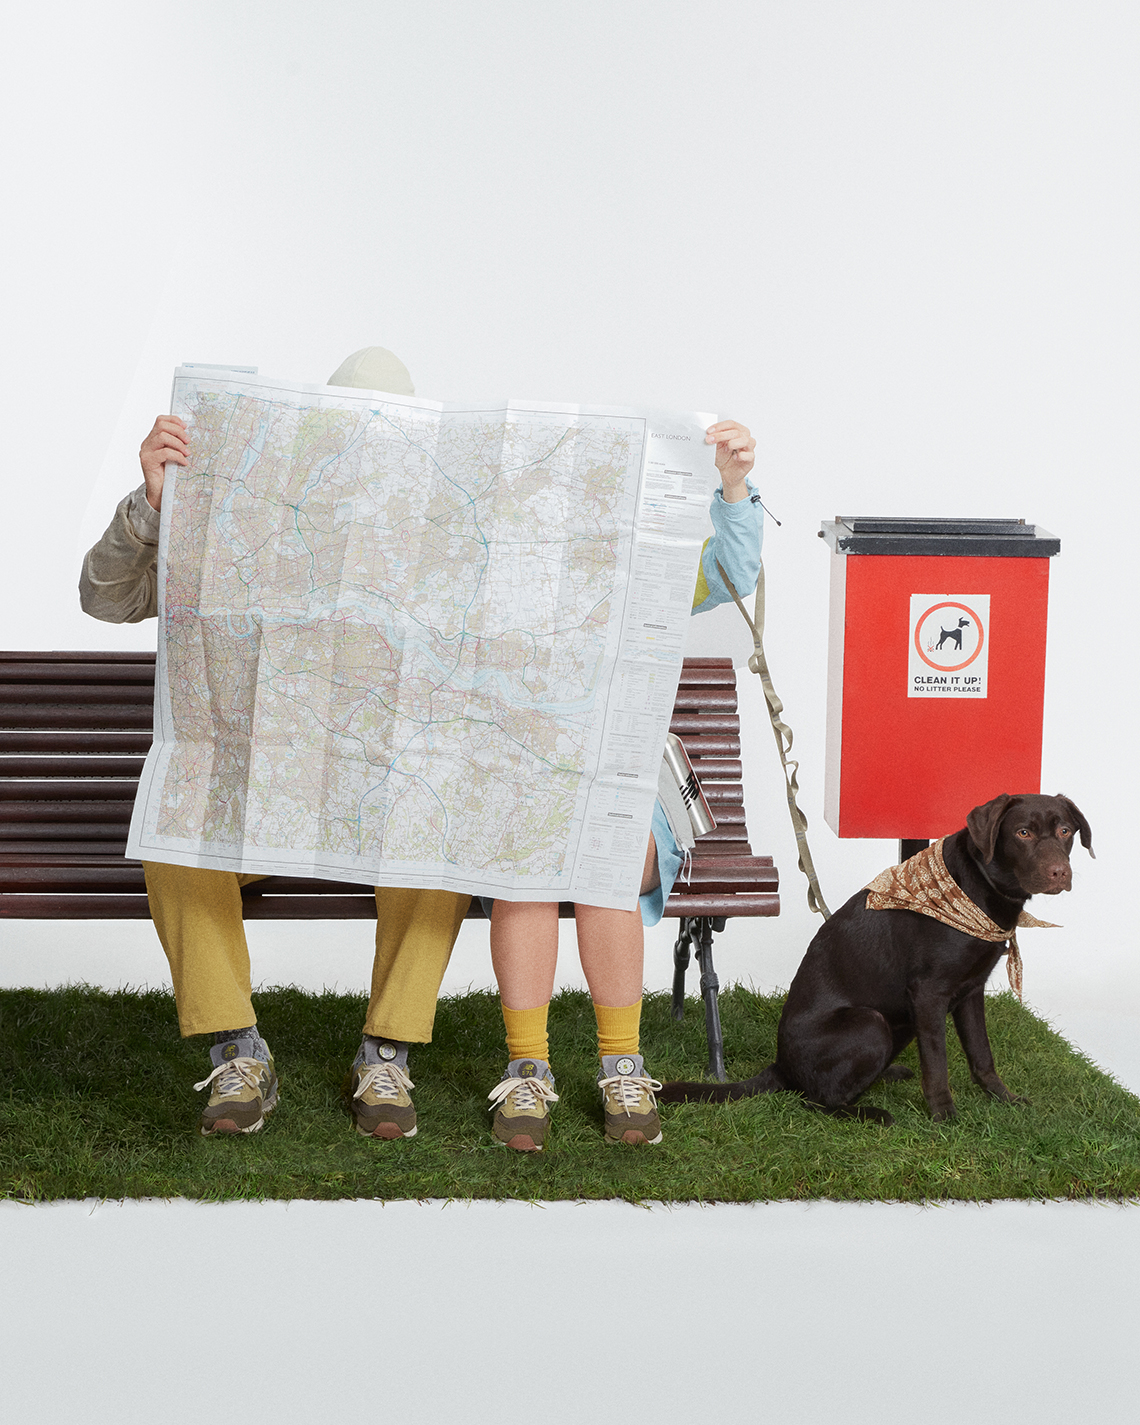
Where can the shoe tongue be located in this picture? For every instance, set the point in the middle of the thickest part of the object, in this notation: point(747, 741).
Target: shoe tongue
point(383, 1051)
point(627, 1066)
point(529, 1069)
point(239, 1049)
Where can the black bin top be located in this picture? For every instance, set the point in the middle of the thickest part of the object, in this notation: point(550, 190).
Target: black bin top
point(872, 534)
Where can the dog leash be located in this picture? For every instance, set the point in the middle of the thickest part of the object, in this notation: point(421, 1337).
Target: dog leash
point(758, 663)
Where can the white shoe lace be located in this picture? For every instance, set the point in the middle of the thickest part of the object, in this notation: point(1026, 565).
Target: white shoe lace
point(624, 1092)
point(526, 1092)
point(233, 1075)
point(385, 1081)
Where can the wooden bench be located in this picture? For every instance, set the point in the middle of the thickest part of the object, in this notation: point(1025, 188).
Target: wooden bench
point(75, 728)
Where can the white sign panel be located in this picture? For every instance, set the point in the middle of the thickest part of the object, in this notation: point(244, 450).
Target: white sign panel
point(949, 645)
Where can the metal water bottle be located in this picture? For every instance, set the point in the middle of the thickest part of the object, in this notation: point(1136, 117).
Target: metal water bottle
point(677, 760)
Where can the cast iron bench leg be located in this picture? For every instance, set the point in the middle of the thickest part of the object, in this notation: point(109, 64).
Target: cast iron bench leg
point(680, 965)
point(710, 987)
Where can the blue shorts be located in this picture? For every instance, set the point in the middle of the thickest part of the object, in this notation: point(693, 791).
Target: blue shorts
point(669, 860)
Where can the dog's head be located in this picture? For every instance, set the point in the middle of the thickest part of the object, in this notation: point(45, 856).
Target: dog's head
point(1030, 837)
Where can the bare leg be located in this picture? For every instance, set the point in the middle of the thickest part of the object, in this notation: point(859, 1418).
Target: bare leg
point(524, 951)
point(611, 944)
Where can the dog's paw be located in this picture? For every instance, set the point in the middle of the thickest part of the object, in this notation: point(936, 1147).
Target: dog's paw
point(996, 1089)
point(897, 1071)
point(943, 1113)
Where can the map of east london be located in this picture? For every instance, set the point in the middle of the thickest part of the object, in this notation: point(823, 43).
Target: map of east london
point(385, 628)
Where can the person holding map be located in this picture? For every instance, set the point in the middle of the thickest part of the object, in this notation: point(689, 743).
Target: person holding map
point(524, 934)
point(391, 631)
point(197, 912)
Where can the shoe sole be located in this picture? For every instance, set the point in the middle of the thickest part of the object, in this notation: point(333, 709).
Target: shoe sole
point(635, 1138)
point(387, 1132)
point(521, 1143)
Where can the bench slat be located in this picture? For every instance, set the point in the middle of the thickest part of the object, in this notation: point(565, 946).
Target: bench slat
point(76, 744)
point(83, 854)
point(719, 794)
point(698, 723)
point(37, 768)
point(708, 769)
point(126, 876)
point(693, 666)
point(128, 907)
point(64, 831)
point(69, 694)
point(20, 813)
point(73, 655)
point(73, 673)
point(734, 833)
point(84, 907)
point(92, 716)
point(742, 905)
point(721, 745)
point(721, 700)
point(96, 789)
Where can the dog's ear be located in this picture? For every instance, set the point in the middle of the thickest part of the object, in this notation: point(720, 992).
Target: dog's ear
point(1080, 823)
point(984, 823)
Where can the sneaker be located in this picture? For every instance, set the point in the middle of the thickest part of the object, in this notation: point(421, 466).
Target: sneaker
point(378, 1090)
point(628, 1100)
point(244, 1087)
point(521, 1100)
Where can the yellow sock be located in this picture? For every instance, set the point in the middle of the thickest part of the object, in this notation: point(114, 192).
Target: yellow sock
point(619, 1030)
point(526, 1032)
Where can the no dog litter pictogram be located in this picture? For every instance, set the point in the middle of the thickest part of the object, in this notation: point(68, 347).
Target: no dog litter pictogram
point(949, 645)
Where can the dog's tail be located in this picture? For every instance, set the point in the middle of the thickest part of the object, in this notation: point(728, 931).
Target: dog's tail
point(770, 1080)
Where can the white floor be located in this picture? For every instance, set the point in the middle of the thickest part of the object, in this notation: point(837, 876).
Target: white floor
point(179, 1312)
point(559, 1312)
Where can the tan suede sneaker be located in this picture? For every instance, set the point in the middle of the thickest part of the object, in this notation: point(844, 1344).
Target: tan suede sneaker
point(522, 1100)
point(628, 1100)
point(378, 1087)
point(244, 1087)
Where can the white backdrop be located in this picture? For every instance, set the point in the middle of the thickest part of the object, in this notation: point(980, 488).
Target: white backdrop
point(896, 239)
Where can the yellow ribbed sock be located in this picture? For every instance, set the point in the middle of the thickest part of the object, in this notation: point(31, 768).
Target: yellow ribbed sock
point(619, 1030)
point(526, 1032)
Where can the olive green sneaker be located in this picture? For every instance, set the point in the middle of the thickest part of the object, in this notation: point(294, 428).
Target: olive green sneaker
point(628, 1100)
point(378, 1090)
point(521, 1100)
point(244, 1087)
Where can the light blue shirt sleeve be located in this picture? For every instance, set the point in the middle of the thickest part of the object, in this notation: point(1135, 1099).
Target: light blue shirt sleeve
point(738, 530)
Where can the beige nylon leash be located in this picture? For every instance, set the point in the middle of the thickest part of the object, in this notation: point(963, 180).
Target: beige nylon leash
point(758, 663)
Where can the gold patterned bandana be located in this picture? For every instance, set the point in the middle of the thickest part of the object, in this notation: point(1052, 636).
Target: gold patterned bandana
point(923, 884)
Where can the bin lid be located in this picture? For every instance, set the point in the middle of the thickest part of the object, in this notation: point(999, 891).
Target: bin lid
point(874, 534)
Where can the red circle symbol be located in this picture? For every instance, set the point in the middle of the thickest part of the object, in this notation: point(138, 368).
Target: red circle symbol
point(953, 667)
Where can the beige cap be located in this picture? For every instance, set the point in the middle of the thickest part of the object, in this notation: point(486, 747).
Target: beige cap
point(374, 368)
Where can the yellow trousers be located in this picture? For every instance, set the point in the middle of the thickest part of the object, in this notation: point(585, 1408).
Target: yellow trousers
point(197, 914)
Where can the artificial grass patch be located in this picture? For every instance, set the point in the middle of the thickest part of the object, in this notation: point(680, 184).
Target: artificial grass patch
point(98, 1102)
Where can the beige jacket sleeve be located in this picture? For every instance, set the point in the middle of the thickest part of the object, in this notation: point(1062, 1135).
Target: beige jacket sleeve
point(119, 579)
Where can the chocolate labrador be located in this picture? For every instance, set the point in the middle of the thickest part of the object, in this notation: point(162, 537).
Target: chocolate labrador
point(873, 980)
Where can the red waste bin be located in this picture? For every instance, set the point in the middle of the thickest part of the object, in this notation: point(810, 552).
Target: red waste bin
point(936, 670)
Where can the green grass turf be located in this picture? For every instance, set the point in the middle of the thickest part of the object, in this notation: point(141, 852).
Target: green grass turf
point(98, 1101)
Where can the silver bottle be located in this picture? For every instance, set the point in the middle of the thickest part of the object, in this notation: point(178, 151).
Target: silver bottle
point(677, 760)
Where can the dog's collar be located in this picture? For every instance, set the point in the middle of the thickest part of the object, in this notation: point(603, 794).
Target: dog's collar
point(924, 884)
